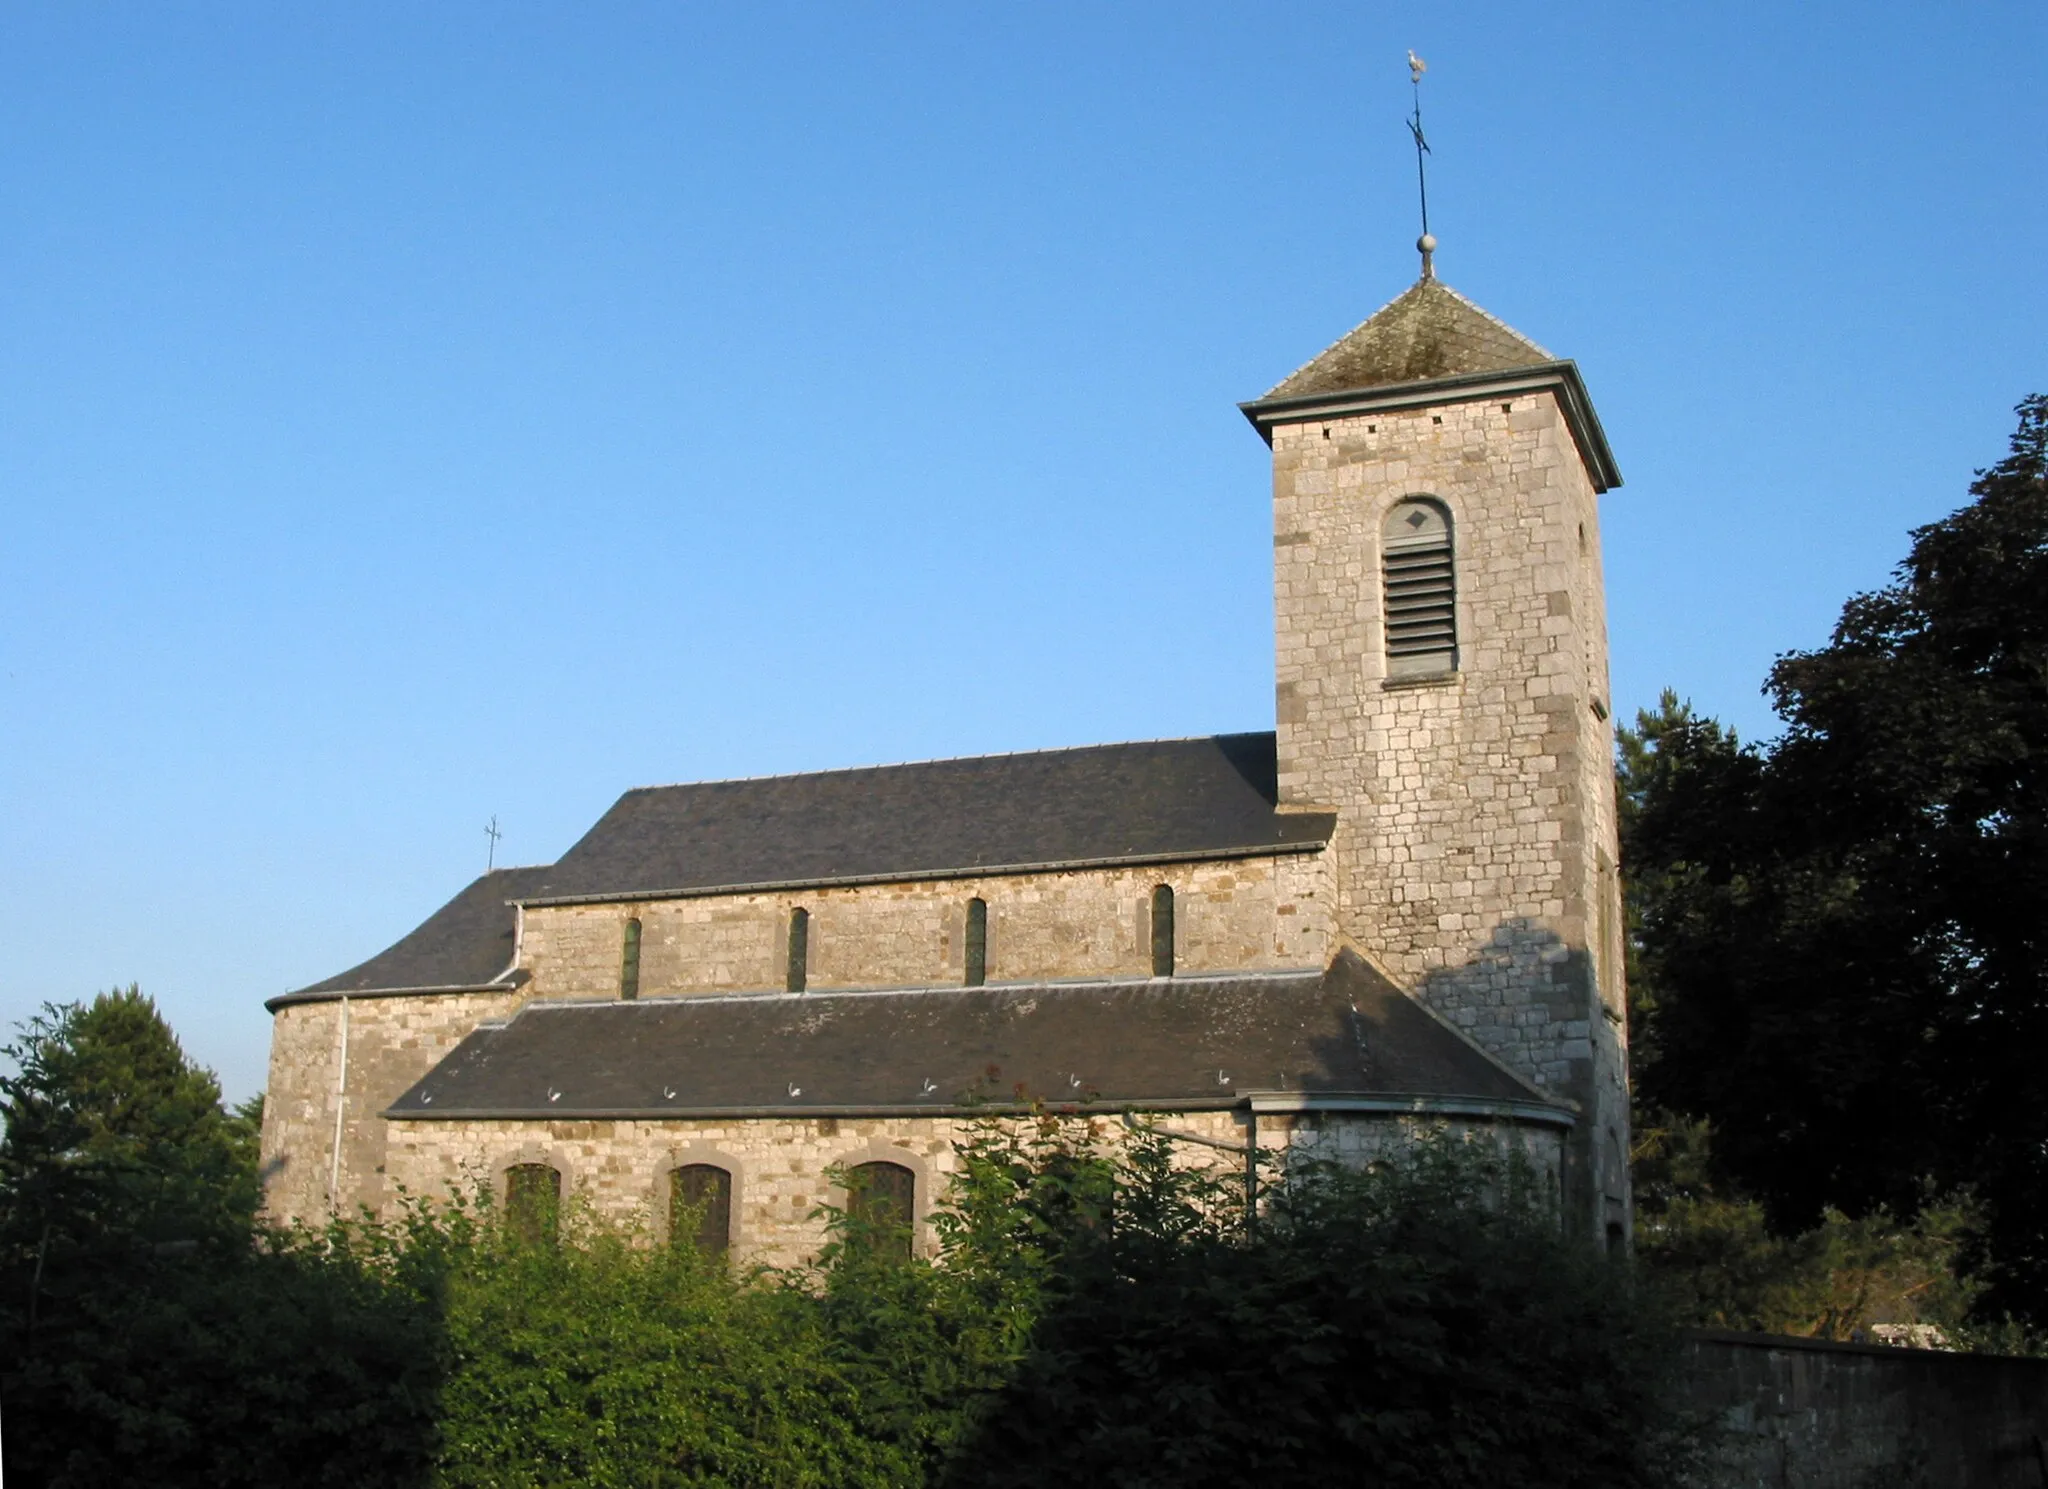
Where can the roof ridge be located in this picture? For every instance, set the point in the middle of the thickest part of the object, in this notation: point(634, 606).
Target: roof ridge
point(848, 770)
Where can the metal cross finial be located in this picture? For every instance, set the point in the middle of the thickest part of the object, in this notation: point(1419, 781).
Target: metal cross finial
point(1425, 244)
point(491, 832)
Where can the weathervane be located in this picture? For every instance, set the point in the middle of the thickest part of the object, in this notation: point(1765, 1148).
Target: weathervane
point(491, 832)
point(1425, 244)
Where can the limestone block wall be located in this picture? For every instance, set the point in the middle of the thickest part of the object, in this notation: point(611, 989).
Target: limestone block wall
point(1229, 914)
point(1475, 858)
point(620, 1170)
point(391, 1042)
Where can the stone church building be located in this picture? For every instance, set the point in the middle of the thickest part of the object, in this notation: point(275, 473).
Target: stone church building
point(1397, 909)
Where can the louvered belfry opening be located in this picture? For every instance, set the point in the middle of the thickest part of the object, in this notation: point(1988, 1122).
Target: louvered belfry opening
point(1421, 589)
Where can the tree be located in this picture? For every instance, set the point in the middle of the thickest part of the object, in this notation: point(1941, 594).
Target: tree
point(1424, 1322)
point(1843, 937)
point(115, 1138)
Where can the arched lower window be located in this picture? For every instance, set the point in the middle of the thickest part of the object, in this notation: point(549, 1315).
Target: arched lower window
point(700, 1207)
point(533, 1201)
point(1162, 931)
point(1421, 589)
point(881, 1200)
point(977, 942)
point(799, 967)
point(629, 962)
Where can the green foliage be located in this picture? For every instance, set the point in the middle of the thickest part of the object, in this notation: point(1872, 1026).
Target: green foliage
point(598, 1360)
point(1712, 1253)
point(1421, 1324)
point(148, 1332)
point(114, 1137)
point(1842, 948)
point(1096, 1306)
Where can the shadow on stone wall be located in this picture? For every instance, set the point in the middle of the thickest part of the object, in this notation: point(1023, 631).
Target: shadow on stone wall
point(1810, 1414)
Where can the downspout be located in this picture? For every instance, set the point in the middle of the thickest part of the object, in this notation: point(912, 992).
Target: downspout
point(340, 1108)
point(1251, 1170)
point(1249, 1147)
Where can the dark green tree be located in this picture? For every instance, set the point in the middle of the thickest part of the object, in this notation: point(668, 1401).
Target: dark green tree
point(115, 1139)
point(1425, 1323)
point(1842, 939)
point(150, 1331)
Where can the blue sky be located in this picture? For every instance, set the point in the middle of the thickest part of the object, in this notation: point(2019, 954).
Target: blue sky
point(411, 414)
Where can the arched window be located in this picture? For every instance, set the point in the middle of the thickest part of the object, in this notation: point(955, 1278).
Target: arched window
point(1162, 931)
point(881, 1200)
point(977, 942)
point(533, 1201)
point(700, 1207)
point(629, 962)
point(1421, 589)
point(799, 949)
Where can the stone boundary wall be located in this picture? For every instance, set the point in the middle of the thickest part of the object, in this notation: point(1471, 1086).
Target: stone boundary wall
point(1786, 1413)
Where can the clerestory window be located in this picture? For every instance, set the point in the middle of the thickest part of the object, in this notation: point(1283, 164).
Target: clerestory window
point(1162, 931)
point(977, 942)
point(799, 964)
point(629, 962)
point(1421, 589)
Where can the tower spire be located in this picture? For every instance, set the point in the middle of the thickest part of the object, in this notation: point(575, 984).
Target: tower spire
point(1425, 245)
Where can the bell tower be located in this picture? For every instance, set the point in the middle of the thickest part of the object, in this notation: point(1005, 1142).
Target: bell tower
point(1442, 685)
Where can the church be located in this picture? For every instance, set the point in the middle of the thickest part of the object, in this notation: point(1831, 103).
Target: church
point(1395, 912)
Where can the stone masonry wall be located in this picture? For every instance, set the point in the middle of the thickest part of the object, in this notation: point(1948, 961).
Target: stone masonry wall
point(1228, 915)
point(1231, 914)
point(392, 1042)
point(1475, 857)
point(620, 1170)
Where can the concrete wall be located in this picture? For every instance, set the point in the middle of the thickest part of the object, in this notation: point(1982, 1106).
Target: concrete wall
point(1229, 915)
point(1475, 860)
point(1806, 1414)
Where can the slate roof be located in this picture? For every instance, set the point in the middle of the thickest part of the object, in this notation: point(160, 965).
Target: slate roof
point(467, 943)
point(1155, 800)
point(1196, 1042)
point(1428, 331)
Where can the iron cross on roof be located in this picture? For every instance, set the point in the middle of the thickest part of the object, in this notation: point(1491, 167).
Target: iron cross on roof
point(1425, 244)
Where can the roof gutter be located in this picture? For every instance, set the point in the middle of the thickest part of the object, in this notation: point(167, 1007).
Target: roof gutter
point(335, 995)
point(1487, 1108)
point(1276, 1103)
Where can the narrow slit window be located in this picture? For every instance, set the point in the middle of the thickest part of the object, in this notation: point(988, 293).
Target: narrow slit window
point(881, 1201)
point(1162, 931)
point(1421, 589)
point(533, 1201)
point(977, 942)
point(799, 949)
point(700, 1208)
point(629, 962)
